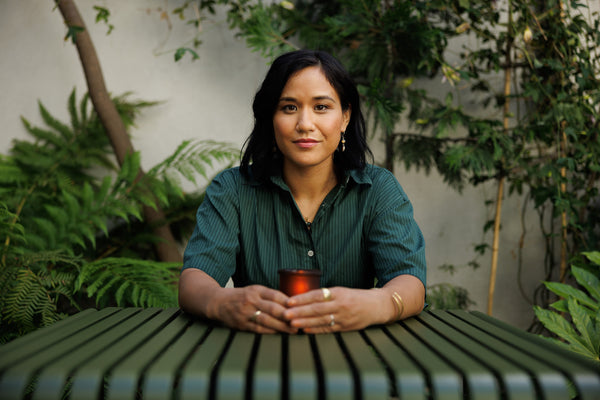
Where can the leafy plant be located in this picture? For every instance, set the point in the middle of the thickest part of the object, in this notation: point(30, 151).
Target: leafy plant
point(444, 296)
point(576, 321)
point(71, 221)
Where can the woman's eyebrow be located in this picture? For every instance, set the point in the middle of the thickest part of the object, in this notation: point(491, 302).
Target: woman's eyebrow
point(293, 99)
point(324, 98)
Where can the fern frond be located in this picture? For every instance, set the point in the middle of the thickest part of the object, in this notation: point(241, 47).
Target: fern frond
point(72, 107)
point(66, 133)
point(134, 282)
point(53, 257)
point(27, 299)
point(46, 136)
point(10, 173)
point(190, 160)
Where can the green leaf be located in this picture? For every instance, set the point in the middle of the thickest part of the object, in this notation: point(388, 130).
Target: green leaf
point(584, 324)
point(558, 325)
point(560, 305)
point(588, 281)
point(72, 32)
point(566, 291)
point(593, 256)
point(180, 52)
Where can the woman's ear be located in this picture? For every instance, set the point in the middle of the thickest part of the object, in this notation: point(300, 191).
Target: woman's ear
point(346, 118)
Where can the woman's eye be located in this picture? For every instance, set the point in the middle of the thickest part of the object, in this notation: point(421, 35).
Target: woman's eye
point(321, 107)
point(288, 108)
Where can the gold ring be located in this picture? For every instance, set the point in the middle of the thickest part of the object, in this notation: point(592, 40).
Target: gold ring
point(255, 316)
point(326, 294)
point(332, 322)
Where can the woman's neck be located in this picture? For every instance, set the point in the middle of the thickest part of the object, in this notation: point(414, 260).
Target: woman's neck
point(309, 187)
point(310, 183)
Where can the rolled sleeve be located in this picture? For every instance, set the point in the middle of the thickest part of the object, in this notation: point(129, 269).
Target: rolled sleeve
point(214, 244)
point(395, 242)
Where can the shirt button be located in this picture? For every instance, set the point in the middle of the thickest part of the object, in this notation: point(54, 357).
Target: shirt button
point(311, 253)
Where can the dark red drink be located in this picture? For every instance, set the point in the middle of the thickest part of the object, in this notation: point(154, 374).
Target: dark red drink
point(297, 281)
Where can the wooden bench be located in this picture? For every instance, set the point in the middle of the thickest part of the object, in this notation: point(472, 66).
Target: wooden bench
point(133, 353)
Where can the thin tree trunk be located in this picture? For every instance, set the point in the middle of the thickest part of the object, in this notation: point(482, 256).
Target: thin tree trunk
point(112, 122)
point(563, 221)
point(500, 190)
point(495, 245)
point(389, 151)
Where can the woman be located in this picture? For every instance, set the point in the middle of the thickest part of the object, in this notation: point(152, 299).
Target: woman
point(304, 197)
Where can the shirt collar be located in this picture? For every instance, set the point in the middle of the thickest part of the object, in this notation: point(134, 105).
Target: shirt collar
point(359, 176)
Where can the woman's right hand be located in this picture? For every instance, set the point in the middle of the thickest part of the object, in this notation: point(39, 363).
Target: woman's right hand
point(253, 308)
point(237, 308)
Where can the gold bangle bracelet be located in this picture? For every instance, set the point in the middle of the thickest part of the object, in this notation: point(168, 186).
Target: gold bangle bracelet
point(399, 304)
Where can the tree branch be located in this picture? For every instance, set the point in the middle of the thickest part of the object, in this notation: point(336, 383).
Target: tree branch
point(111, 120)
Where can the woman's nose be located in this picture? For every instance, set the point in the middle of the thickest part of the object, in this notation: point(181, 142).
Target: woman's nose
point(305, 121)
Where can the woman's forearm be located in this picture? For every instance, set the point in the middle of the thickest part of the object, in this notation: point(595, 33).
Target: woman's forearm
point(407, 295)
point(196, 290)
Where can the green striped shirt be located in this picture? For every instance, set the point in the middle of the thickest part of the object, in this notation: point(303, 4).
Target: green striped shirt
point(363, 230)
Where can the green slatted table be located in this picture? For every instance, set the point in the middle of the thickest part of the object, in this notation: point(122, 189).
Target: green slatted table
point(133, 353)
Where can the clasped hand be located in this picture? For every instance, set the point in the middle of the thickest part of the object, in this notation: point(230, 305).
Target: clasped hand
point(260, 309)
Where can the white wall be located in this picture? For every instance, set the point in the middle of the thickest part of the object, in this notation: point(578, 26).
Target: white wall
point(211, 98)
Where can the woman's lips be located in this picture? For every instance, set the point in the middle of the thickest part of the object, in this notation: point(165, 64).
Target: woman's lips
point(306, 143)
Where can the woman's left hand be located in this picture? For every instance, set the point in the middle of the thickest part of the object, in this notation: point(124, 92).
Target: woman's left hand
point(338, 309)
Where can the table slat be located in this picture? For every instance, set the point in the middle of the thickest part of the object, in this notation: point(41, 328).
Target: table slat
point(196, 375)
point(584, 373)
point(373, 378)
point(28, 345)
point(158, 381)
point(303, 379)
point(122, 382)
point(267, 373)
point(515, 379)
point(54, 376)
point(409, 379)
point(480, 383)
point(17, 377)
point(88, 379)
point(231, 382)
point(338, 379)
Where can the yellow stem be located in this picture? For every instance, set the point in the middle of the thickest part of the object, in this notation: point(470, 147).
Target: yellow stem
point(563, 222)
point(495, 246)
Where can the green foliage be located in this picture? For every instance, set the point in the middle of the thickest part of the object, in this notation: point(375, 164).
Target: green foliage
point(444, 296)
point(576, 321)
point(102, 15)
point(71, 222)
point(128, 282)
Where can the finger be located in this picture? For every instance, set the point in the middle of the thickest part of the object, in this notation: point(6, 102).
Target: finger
point(265, 322)
point(273, 309)
point(312, 310)
point(313, 296)
point(275, 296)
point(320, 329)
point(321, 321)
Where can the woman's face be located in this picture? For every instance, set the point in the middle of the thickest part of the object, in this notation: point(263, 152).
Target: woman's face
point(308, 120)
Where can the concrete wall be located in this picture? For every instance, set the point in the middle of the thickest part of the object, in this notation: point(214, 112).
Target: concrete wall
point(210, 98)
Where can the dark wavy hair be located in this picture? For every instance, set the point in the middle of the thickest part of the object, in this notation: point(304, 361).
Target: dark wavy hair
point(259, 154)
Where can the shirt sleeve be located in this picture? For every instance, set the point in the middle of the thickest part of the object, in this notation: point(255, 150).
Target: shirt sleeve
point(214, 244)
point(396, 244)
